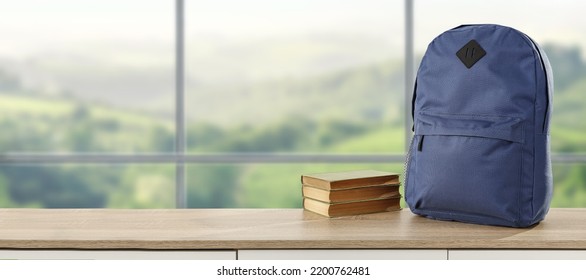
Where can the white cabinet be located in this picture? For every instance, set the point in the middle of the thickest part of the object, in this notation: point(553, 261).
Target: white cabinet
point(411, 254)
point(117, 255)
point(295, 254)
point(341, 254)
point(517, 254)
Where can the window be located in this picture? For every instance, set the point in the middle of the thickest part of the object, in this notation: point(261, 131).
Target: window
point(86, 76)
point(201, 103)
point(91, 82)
point(292, 80)
point(293, 76)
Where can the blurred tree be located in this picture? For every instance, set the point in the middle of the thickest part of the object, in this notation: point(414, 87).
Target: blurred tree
point(51, 188)
point(212, 186)
point(203, 135)
point(335, 131)
point(567, 65)
point(160, 139)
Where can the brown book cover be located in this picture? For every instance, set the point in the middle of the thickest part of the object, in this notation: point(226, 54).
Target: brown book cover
point(353, 194)
point(350, 179)
point(351, 208)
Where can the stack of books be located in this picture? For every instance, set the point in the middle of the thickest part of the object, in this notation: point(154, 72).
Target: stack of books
point(351, 193)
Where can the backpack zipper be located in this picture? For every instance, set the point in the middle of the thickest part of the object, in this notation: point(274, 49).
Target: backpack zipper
point(547, 101)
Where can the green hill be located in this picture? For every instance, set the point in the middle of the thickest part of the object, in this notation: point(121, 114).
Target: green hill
point(33, 124)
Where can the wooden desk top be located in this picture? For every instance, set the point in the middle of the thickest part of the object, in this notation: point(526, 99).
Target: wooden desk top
point(270, 229)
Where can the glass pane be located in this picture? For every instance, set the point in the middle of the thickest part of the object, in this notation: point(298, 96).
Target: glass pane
point(278, 185)
point(86, 75)
point(87, 186)
point(557, 26)
point(259, 185)
point(294, 76)
point(569, 185)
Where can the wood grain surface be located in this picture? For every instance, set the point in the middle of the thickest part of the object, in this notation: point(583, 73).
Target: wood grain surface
point(272, 229)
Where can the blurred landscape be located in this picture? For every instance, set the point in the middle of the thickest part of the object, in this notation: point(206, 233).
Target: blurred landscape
point(346, 110)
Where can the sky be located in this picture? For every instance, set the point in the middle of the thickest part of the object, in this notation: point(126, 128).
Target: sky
point(560, 21)
point(32, 25)
point(35, 26)
point(29, 26)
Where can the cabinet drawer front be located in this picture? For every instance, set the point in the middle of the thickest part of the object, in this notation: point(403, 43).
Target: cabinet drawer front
point(357, 254)
point(517, 254)
point(116, 255)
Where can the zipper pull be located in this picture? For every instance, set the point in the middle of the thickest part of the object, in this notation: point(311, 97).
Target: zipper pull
point(420, 143)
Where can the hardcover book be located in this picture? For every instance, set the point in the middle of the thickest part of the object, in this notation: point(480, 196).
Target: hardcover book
point(351, 208)
point(352, 194)
point(350, 179)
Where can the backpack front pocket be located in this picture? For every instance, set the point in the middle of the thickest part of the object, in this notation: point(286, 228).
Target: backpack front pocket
point(466, 166)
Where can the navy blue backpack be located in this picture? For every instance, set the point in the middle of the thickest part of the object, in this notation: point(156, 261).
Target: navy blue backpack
point(481, 112)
